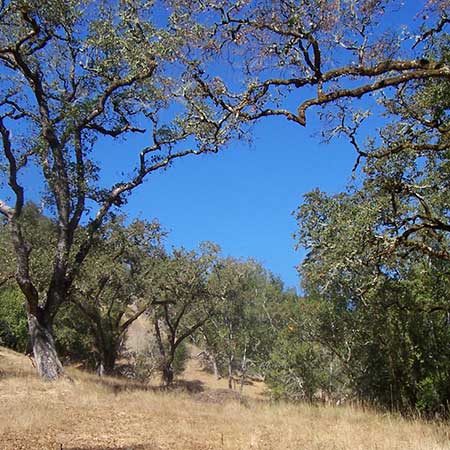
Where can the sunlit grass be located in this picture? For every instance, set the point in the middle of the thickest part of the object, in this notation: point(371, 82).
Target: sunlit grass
point(93, 413)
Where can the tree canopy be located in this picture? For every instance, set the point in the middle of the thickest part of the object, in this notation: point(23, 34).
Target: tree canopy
point(73, 73)
point(76, 75)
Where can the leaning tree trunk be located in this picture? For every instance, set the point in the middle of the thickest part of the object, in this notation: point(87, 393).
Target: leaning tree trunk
point(46, 358)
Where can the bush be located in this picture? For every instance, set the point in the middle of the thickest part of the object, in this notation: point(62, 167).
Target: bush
point(144, 363)
point(73, 338)
point(13, 320)
point(429, 398)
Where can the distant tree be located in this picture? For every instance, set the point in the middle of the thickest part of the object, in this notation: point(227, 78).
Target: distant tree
point(111, 291)
point(73, 75)
point(301, 365)
point(239, 334)
point(182, 301)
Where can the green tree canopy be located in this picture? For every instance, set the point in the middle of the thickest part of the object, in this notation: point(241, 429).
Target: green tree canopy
point(73, 74)
point(379, 253)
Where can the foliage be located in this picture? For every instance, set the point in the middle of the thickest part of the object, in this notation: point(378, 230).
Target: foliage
point(238, 337)
point(388, 315)
point(181, 358)
point(181, 302)
point(300, 366)
point(74, 74)
point(73, 337)
point(389, 311)
point(379, 253)
point(13, 319)
point(112, 290)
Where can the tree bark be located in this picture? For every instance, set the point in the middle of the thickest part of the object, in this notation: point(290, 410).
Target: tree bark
point(108, 362)
point(230, 373)
point(215, 367)
point(46, 358)
point(167, 374)
point(243, 372)
point(167, 370)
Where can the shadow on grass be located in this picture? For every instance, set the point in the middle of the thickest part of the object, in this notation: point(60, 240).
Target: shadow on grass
point(119, 385)
point(189, 386)
point(124, 386)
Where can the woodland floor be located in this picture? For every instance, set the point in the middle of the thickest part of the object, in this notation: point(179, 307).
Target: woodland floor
point(93, 413)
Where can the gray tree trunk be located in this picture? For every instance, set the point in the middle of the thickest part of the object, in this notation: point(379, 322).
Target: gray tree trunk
point(215, 368)
point(46, 359)
point(230, 373)
point(243, 372)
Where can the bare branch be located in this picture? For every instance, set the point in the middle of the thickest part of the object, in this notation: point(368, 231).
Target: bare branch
point(13, 183)
point(429, 33)
point(115, 131)
point(441, 72)
point(110, 90)
point(133, 318)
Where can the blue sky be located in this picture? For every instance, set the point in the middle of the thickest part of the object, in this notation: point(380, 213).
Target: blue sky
point(243, 197)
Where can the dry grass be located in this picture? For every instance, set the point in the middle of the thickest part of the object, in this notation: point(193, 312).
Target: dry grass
point(93, 413)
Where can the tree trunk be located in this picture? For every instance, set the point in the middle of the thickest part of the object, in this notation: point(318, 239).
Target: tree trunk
point(108, 362)
point(167, 360)
point(100, 369)
point(243, 373)
point(215, 368)
point(167, 374)
point(107, 349)
point(106, 365)
point(230, 373)
point(46, 359)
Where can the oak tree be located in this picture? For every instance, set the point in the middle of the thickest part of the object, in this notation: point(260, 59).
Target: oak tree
point(181, 301)
point(111, 291)
point(75, 76)
point(295, 55)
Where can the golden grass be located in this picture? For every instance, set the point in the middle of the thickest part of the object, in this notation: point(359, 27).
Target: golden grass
point(93, 413)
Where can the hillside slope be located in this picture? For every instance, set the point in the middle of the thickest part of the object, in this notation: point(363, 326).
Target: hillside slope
point(106, 413)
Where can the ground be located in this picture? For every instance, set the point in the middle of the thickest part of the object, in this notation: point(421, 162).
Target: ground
point(92, 413)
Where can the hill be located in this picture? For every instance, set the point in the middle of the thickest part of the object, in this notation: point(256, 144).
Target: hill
point(93, 413)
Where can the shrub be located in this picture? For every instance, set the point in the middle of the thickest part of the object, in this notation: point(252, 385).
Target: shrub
point(13, 320)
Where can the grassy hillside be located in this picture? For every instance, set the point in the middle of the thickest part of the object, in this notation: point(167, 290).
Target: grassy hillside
point(106, 414)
